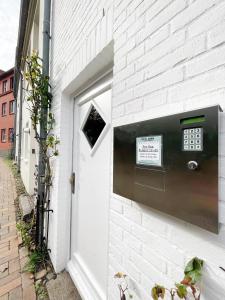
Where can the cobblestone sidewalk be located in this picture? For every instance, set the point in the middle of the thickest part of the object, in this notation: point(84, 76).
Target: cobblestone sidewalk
point(14, 285)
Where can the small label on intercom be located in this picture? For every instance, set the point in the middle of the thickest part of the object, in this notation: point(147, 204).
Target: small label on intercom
point(149, 150)
point(193, 139)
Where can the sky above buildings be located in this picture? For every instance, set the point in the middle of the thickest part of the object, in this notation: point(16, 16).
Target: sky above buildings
point(9, 22)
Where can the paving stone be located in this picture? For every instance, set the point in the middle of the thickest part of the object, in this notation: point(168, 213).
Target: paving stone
point(26, 279)
point(9, 256)
point(10, 286)
point(6, 244)
point(8, 235)
point(4, 250)
point(4, 297)
point(7, 210)
point(14, 285)
point(19, 239)
point(13, 244)
point(4, 267)
point(23, 262)
point(8, 224)
point(12, 228)
point(29, 293)
point(51, 276)
point(4, 230)
point(62, 288)
point(5, 274)
point(8, 239)
point(16, 294)
point(4, 220)
point(26, 205)
point(23, 252)
point(4, 270)
point(9, 278)
point(14, 265)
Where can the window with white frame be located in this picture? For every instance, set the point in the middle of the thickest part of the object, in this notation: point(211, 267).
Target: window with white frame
point(11, 135)
point(3, 135)
point(11, 107)
point(4, 86)
point(4, 109)
point(11, 83)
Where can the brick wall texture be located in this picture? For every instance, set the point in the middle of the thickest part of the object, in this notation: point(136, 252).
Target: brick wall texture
point(169, 57)
point(7, 120)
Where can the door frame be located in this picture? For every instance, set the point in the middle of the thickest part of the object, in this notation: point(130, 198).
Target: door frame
point(87, 288)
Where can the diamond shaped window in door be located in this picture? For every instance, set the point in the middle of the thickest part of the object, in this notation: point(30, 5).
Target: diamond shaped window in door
point(93, 126)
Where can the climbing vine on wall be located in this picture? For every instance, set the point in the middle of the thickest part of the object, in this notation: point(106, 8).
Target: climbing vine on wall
point(39, 98)
point(39, 101)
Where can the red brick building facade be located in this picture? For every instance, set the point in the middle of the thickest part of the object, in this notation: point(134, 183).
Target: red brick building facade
point(7, 110)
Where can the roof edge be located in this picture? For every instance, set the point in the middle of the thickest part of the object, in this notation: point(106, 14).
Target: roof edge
point(27, 10)
point(6, 73)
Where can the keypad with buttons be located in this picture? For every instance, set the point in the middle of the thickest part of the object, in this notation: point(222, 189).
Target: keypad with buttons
point(193, 139)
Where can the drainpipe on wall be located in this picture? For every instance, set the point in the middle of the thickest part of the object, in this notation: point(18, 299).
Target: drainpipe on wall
point(24, 12)
point(13, 151)
point(43, 125)
point(20, 123)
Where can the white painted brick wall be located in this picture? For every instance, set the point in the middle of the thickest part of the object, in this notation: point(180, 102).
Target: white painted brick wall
point(216, 36)
point(180, 67)
point(191, 13)
point(167, 46)
point(206, 21)
point(168, 58)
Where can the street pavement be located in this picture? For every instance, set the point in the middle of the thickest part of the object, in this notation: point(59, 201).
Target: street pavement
point(14, 284)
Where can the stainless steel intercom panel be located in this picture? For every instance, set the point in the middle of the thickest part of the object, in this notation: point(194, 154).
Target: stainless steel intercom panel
point(171, 164)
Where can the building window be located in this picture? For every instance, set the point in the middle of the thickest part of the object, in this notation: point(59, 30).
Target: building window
point(4, 86)
point(93, 126)
point(3, 135)
point(11, 135)
point(3, 109)
point(11, 107)
point(11, 83)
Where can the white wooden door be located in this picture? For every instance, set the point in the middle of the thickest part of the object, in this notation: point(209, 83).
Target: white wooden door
point(90, 202)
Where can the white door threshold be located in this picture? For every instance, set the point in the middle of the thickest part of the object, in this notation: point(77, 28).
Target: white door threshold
point(85, 287)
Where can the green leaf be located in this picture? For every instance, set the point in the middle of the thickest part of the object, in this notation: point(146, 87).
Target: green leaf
point(195, 276)
point(194, 264)
point(158, 292)
point(181, 290)
point(193, 269)
point(56, 153)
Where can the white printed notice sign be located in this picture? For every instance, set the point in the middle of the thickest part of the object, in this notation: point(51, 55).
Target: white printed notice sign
point(149, 150)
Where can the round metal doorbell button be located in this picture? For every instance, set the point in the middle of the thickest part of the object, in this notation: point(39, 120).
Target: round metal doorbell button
point(192, 165)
